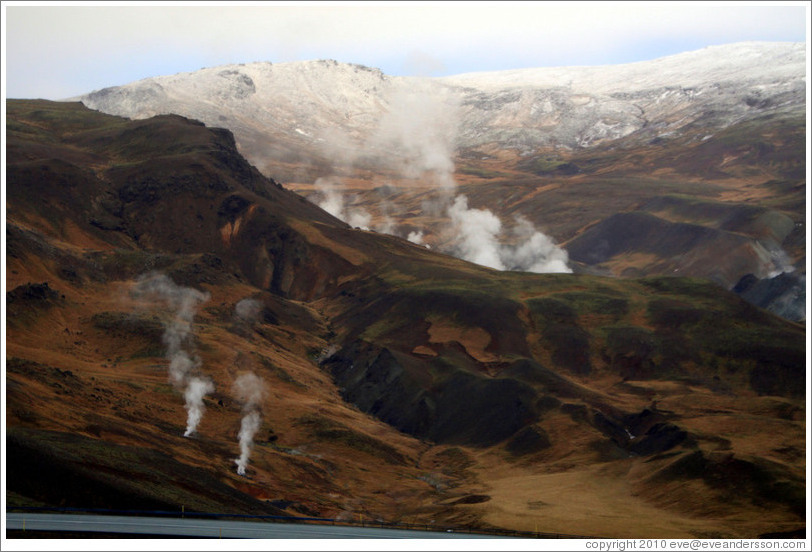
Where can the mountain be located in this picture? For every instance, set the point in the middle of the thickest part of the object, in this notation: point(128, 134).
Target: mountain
point(184, 332)
point(302, 103)
point(700, 156)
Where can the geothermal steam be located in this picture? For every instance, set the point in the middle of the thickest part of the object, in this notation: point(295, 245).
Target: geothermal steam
point(534, 251)
point(416, 138)
point(477, 239)
point(184, 366)
point(249, 389)
point(247, 310)
point(196, 389)
point(333, 202)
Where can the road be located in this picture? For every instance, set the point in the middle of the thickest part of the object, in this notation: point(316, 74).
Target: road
point(213, 528)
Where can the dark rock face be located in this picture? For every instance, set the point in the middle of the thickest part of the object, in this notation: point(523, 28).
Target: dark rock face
point(452, 408)
point(784, 295)
point(529, 440)
point(25, 303)
point(644, 433)
point(658, 438)
point(36, 293)
point(677, 243)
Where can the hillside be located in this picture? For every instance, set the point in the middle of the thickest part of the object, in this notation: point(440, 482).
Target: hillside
point(151, 269)
point(701, 156)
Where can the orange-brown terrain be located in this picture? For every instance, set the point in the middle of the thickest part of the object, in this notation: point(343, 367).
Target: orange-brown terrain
point(401, 384)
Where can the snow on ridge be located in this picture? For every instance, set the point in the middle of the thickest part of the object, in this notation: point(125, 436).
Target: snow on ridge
point(745, 60)
point(330, 80)
point(339, 105)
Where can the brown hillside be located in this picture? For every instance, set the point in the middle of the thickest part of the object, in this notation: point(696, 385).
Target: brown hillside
point(401, 384)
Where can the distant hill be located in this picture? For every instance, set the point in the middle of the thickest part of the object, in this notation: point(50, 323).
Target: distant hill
point(150, 267)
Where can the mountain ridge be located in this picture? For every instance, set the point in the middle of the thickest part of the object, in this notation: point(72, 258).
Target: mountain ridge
point(676, 66)
point(359, 93)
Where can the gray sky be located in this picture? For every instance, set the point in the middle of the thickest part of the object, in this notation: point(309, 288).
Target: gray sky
point(61, 49)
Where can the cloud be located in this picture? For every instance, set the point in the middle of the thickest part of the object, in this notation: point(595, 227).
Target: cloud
point(54, 51)
point(421, 64)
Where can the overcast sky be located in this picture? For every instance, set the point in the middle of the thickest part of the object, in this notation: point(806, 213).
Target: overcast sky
point(65, 49)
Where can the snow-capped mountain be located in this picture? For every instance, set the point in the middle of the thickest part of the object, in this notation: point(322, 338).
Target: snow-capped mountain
point(281, 111)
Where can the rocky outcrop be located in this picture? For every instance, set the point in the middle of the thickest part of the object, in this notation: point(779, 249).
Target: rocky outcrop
point(784, 294)
point(450, 407)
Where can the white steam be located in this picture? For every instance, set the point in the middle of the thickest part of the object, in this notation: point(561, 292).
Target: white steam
point(248, 428)
point(418, 133)
point(333, 201)
point(184, 365)
point(247, 310)
point(387, 224)
point(477, 235)
point(416, 139)
point(196, 389)
point(416, 236)
point(359, 218)
point(534, 252)
point(249, 389)
point(476, 232)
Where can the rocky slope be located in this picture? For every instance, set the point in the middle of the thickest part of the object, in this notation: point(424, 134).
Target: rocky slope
point(151, 268)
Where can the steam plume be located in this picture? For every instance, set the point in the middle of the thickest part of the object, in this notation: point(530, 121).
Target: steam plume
point(477, 234)
point(183, 364)
point(535, 251)
point(250, 390)
point(196, 389)
point(421, 126)
point(416, 237)
point(418, 132)
point(476, 231)
point(332, 199)
point(333, 202)
point(247, 310)
point(248, 427)
point(416, 139)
